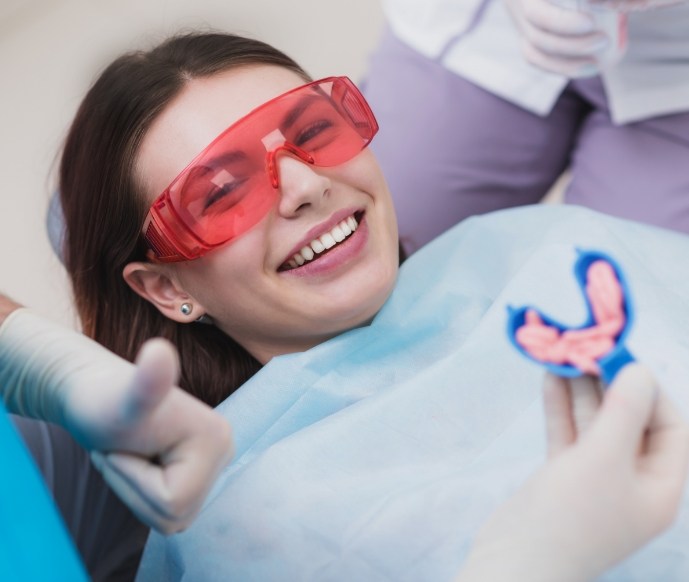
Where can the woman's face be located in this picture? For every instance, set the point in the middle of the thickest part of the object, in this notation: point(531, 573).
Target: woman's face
point(246, 285)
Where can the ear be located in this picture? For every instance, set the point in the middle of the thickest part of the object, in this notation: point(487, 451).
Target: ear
point(151, 282)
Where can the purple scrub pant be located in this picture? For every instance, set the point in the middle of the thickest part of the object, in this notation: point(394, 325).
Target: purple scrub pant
point(450, 150)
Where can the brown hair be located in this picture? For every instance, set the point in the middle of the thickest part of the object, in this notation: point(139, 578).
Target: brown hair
point(104, 207)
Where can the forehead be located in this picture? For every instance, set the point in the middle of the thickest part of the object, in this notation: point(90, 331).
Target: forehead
point(202, 110)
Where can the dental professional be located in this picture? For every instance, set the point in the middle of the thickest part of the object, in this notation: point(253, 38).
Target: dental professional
point(216, 196)
point(119, 447)
point(503, 96)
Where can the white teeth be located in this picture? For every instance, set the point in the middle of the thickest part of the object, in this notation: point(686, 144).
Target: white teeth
point(307, 253)
point(326, 241)
point(317, 246)
point(338, 234)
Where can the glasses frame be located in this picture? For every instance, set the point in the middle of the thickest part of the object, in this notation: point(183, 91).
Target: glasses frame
point(166, 233)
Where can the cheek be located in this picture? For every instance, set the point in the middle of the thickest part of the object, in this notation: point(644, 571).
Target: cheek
point(377, 188)
point(365, 174)
point(226, 276)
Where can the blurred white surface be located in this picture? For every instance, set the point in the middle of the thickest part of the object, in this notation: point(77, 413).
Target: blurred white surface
point(50, 52)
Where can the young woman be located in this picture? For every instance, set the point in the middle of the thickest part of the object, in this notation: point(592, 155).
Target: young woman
point(215, 196)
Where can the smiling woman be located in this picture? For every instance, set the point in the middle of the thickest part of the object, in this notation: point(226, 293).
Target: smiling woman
point(325, 176)
point(111, 171)
point(210, 180)
point(266, 130)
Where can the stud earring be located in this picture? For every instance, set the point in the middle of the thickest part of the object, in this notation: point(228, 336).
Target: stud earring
point(186, 308)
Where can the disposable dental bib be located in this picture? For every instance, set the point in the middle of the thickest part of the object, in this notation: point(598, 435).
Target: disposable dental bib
point(380, 454)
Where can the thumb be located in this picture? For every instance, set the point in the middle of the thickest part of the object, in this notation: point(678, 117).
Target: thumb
point(142, 486)
point(157, 371)
point(626, 412)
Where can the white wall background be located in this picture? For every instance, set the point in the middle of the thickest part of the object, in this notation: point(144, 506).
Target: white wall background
point(50, 52)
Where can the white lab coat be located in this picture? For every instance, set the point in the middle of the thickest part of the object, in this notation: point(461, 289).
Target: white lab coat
point(477, 40)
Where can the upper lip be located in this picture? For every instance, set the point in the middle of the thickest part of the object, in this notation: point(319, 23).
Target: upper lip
point(321, 229)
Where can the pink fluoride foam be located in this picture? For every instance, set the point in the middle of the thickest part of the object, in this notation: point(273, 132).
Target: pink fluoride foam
point(580, 348)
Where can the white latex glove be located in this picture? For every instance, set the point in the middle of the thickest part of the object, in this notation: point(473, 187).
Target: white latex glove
point(601, 495)
point(635, 5)
point(159, 448)
point(558, 39)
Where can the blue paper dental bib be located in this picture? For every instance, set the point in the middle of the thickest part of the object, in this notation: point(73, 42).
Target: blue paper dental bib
point(378, 455)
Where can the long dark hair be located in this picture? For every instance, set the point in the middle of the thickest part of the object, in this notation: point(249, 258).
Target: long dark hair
point(104, 207)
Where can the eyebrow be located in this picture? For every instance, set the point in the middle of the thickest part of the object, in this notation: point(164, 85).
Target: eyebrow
point(226, 158)
point(223, 159)
point(293, 114)
point(288, 121)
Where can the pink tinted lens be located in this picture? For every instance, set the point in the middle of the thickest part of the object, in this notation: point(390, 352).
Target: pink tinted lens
point(227, 189)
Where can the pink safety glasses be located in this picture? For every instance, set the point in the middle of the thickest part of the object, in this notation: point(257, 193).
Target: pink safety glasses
point(234, 182)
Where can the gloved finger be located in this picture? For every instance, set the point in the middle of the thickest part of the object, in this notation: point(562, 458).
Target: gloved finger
point(570, 67)
point(666, 451)
point(157, 371)
point(167, 494)
point(571, 47)
point(142, 486)
point(635, 5)
point(557, 20)
point(559, 420)
point(625, 414)
point(586, 396)
point(585, 363)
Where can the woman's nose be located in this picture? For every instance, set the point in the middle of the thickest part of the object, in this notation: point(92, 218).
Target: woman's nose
point(301, 186)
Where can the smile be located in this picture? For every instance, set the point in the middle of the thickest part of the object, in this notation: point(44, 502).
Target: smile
point(323, 243)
